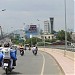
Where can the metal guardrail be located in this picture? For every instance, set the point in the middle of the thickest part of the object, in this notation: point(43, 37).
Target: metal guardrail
point(71, 49)
point(62, 48)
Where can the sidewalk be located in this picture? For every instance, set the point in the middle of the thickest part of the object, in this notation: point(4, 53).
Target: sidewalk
point(66, 64)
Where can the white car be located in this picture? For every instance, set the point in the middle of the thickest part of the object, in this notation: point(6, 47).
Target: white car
point(27, 47)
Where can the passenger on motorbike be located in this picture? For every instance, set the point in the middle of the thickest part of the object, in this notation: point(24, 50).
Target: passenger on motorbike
point(9, 50)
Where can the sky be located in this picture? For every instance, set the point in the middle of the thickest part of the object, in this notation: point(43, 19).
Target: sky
point(20, 13)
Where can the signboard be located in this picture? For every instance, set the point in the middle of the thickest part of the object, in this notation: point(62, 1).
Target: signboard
point(33, 28)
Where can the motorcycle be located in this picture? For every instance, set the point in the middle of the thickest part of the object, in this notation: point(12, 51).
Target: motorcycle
point(7, 65)
point(35, 52)
point(21, 51)
point(8, 60)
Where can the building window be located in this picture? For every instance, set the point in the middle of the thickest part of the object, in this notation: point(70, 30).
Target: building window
point(49, 37)
point(52, 37)
point(45, 37)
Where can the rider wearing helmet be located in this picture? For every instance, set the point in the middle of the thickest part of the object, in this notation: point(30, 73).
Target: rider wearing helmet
point(1, 47)
point(34, 48)
point(11, 54)
point(21, 47)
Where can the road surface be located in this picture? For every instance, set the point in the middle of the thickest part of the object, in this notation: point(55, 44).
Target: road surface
point(42, 64)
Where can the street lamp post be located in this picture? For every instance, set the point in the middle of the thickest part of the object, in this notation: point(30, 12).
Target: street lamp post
point(0, 26)
point(36, 40)
point(3, 10)
point(31, 39)
point(24, 25)
point(65, 30)
point(44, 41)
point(38, 31)
point(38, 25)
point(1, 32)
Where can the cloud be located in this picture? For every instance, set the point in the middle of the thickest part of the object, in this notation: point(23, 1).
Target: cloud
point(28, 11)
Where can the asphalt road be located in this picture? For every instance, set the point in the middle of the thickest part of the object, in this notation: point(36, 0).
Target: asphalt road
point(42, 64)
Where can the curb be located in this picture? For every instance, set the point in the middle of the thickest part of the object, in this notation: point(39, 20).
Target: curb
point(56, 61)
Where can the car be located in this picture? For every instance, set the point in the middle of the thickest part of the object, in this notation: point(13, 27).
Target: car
point(72, 45)
point(27, 47)
point(58, 43)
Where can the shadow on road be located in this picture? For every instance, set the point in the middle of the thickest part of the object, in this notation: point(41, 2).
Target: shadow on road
point(12, 73)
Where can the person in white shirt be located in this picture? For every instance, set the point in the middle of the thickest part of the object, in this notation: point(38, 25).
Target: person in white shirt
point(8, 49)
point(34, 48)
point(1, 47)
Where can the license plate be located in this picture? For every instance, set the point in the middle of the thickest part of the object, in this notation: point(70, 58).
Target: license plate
point(6, 53)
point(5, 64)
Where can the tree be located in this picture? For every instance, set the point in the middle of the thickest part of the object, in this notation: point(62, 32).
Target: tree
point(69, 36)
point(33, 39)
point(61, 35)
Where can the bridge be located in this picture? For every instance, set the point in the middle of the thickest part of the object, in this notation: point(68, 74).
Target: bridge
point(48, 61)
point(65, 60)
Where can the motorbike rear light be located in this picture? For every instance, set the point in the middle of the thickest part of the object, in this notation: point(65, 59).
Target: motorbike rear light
point(6, 60)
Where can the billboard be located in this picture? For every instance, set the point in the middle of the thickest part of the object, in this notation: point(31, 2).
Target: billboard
point(33, 28)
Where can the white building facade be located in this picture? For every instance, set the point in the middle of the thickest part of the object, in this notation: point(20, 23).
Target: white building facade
point(46, 27)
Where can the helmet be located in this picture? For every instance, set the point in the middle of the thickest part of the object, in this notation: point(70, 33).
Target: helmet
point(6, 45)
point(0, 45)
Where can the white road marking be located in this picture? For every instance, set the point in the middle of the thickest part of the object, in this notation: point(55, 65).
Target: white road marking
point(42, 71)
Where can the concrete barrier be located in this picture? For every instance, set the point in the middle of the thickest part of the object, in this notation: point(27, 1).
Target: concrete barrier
point(65, 59)
point(65, 53)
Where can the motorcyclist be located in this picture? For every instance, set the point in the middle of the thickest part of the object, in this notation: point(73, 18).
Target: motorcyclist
point(34, 48)
point(21, 47)
point(7, 48)
point(1, 47)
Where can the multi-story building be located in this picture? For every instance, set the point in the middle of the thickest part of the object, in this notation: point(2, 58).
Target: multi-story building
point(46, 27)
point(49, 26)
point(48, 36)
point(52, 24)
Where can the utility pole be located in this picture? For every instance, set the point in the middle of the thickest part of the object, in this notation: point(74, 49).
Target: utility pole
point(65, 30)
point(0, 26)
point(44, 41)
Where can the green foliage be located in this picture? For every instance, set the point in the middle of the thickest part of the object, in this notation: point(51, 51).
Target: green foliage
point(40, 44)
point(15, 41)
point(69, 36)
point(32, 40)
point(61, 35)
